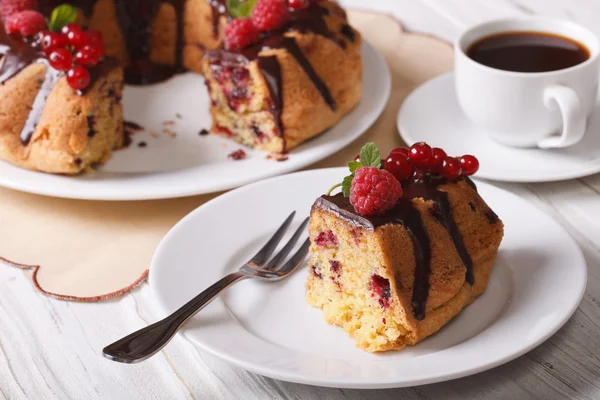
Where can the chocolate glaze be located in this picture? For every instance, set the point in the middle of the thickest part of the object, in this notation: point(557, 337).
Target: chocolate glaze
point(348, 32)
point(218, 9)
point(271, 70)
point(309, 20)
point(16, 55)
point(406, 214)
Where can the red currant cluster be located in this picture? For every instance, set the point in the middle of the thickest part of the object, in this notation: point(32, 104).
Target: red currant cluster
point(420, 159)
point(74, 51)
point(266, 16)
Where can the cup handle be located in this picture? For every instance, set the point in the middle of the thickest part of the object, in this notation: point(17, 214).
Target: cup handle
point(573, 116)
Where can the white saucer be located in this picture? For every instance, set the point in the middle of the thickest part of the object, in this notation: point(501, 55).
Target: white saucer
point(190, 164)
point(432, 114)
point(269, 329)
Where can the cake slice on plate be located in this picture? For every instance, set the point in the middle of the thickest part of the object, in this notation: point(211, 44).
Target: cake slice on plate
point(403, 249)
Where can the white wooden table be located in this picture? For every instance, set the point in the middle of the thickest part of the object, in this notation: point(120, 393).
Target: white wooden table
point(51, 349)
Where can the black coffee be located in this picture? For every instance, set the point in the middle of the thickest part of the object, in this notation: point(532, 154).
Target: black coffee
point(528, 52)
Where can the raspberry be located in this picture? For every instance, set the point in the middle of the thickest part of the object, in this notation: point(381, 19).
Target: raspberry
point(10, 7)
point(269, 15)
point(240, 33)
point(374, 191)
point(299, 4)
point(27, 23)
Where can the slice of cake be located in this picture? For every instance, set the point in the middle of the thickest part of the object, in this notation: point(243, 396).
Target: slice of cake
point(394, 260)
point(274, 87)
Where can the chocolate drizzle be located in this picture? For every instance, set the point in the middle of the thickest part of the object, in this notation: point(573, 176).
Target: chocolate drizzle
point(348, 32)
point(218, 9)
point(406, 214)
point(135, 19)
point(271, 70)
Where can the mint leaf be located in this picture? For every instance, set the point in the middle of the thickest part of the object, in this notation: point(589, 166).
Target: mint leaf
point(240, 8)
point(61, 16)
point(369, 156)
point(354, 165)
point(346, 185)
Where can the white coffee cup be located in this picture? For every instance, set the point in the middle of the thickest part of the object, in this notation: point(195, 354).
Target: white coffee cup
point(523, 109)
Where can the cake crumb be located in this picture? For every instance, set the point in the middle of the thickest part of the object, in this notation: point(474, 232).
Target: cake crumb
point(170, 122)
point(154, 134)
point(238, 155)
point(142, 144)
point(203, 132)
point(179, 116)
point(169, 133)
point(277, 157)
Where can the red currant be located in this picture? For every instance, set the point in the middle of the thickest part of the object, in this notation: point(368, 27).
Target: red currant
point(400, 150)
point(78, 78)
point(451, 169)
point(51, 41)
point(469, 164)
point(438, 156)
point(421, 155)
point(76, 37)
point(61, 59)
point(95, 40)
point(87, 57)
point(399, 166)
point(299, 4)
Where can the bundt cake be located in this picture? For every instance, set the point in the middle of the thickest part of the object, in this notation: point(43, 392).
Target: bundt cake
point(399, 269)
point(293, 84)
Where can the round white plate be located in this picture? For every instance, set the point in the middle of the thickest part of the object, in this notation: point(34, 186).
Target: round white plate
point(432, 114)
point(190, 164)
point(268, 328)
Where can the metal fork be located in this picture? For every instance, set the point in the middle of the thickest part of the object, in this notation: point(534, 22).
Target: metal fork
point(146, 342)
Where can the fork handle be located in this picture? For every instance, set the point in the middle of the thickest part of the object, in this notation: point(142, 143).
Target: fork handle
point(144, 343)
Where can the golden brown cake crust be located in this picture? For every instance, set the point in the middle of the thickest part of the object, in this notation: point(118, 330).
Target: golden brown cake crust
point(387, 319)
point(73, 133)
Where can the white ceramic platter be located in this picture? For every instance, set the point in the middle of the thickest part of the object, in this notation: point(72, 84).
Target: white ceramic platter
point(431, 113)
point(189, 164)
point(268, 328)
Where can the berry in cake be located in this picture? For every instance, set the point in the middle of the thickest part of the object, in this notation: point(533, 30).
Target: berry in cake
point(407, 265)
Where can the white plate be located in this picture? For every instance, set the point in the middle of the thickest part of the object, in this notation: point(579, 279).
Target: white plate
point(191, 164)
point(432, 114)
point(268, 328)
